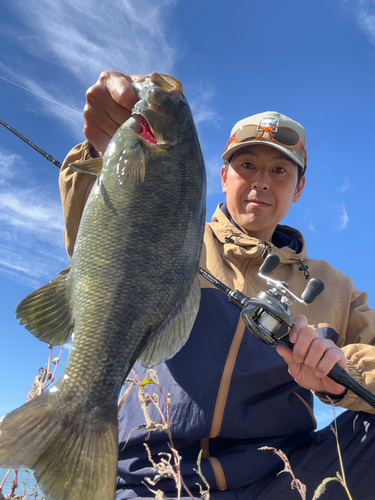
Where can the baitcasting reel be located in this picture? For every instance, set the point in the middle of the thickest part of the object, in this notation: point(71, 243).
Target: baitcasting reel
point(268, 315)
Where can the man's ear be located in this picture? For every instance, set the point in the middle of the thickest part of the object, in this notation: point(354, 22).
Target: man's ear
point(299, 189)
point(223, 179)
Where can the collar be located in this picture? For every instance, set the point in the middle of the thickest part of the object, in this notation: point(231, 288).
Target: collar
point(287, 239)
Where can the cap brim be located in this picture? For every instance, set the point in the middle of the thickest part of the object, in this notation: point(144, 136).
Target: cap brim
point(287, 151)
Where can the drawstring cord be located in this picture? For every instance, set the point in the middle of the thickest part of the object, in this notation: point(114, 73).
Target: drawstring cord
point(266, 250)
point(303, 268)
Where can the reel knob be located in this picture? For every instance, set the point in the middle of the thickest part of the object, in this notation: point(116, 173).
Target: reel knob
point(270, 263)
point(314, 287)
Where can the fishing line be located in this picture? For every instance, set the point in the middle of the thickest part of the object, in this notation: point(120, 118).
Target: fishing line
point(40, 95)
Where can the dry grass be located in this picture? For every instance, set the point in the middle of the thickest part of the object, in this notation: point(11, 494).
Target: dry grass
point(46, 376)
point(299, 486)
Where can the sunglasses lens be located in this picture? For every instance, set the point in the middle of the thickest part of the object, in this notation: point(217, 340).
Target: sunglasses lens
point(285, 136)
point(247, 133)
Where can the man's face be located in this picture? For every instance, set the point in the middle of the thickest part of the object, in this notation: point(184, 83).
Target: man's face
point(260, 184)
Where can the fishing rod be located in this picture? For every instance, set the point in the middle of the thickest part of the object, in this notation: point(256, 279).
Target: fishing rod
point(268, 316)
point(34, 146)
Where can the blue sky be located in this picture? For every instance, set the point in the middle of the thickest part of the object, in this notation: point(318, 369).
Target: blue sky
point(313, 60)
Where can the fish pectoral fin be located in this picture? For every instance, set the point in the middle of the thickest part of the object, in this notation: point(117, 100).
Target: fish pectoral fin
point(131, 165)
point(72, 451)
point(92, 166)
point(173, 333)
point(46, 312)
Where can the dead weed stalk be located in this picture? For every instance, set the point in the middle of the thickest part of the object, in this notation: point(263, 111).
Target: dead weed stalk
point(41, 382)
point(299, 486)
point(169, 463)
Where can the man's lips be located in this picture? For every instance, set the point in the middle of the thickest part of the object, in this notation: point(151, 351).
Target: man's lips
point(257, 203)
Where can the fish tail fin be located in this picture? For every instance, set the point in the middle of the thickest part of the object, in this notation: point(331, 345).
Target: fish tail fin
point(74, 454)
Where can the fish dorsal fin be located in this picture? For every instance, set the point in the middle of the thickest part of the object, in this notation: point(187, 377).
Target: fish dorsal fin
point(131, 165)
point(166, 82)
point(173, 333)
point(92, 166)
point(46, 312)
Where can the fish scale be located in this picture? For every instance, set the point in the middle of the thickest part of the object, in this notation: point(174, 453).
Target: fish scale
point(132, 292)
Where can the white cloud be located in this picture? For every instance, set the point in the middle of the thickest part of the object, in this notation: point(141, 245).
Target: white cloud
point(7, 163)
point(213, 166)
point(81, 38)
point(68, 347)
point(311, 227)
point(366, 17)
point(85, 36)
point(343, 219)
point(346, 185)
point(200, 100)
point(308, 217)
point(29, 209)
point(31, 225)
point(364, 12)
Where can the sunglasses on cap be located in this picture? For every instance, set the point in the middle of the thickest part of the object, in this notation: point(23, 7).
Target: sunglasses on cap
point(285, 136)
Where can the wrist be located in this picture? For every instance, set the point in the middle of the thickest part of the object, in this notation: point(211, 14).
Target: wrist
point(326, 397)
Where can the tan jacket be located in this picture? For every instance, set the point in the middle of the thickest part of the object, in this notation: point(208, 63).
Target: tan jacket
point(234, 258)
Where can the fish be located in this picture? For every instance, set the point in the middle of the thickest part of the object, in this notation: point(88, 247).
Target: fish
point(131, 292)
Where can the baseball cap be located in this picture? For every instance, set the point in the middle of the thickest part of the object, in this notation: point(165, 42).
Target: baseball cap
point(273, 129)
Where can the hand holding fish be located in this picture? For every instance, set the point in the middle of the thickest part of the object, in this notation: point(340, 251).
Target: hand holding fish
point(109, 103)
point(312, 358)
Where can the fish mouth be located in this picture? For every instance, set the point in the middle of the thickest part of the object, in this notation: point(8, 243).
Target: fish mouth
point(146, 133)
point(141, 127)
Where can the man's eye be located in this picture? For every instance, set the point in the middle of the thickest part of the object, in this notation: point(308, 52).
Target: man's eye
point(279, 170)
point(247, 165)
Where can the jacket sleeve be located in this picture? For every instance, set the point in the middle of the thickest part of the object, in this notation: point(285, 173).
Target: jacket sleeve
point(358, 345)
point(74, 190)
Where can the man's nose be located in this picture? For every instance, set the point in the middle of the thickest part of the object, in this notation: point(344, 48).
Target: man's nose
point(260, 182)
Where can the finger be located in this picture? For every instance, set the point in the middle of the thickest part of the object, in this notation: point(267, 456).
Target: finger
point(333, 355)
point(100, 103)
point(315, 353)
point(98, 128)
point(305, 337)
point(120, 89)
point(299, 322)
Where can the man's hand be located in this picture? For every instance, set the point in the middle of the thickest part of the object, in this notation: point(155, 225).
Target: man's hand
point(108, 105)
point(312, 358)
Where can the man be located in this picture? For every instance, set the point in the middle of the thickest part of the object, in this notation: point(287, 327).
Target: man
point(230, 393)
